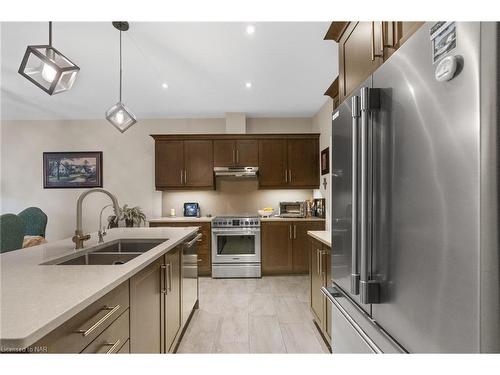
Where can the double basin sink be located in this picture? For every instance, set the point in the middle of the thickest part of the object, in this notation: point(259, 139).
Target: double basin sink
point(116, 252)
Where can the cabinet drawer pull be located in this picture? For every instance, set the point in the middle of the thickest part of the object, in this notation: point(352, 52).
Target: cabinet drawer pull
point(114, 346)
point(111, 311)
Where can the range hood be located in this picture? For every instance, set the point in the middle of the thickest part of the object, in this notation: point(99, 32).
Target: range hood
point(243, 172)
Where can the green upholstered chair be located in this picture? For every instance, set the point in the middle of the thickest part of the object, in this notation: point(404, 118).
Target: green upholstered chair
point(35, 221)
point(11, 232)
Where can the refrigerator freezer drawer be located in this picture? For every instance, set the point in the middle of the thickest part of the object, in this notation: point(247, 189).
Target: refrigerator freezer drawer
point(352, 329)
point(346, 338)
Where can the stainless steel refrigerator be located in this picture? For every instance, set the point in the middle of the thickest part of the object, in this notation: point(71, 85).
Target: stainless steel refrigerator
point(415, 261)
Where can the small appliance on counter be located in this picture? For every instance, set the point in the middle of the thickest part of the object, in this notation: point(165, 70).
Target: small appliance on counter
point(319, 208)
point(266, 212)
point(192, 209)
point(293, 209)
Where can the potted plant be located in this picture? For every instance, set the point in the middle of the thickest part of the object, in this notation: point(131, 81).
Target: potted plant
point(132, 216)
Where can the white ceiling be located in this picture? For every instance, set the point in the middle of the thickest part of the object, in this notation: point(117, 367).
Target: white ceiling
point(205, 64)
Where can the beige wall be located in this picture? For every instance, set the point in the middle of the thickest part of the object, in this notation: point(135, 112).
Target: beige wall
point(232, 197)
point(128, 163)
point(322, 123)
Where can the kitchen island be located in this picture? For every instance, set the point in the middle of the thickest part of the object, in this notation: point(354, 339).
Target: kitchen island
point(37, 298)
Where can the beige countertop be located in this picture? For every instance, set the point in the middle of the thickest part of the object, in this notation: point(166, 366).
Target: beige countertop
point(175, 219)
point(36, 299)
point(324, 236)
point(277, 218)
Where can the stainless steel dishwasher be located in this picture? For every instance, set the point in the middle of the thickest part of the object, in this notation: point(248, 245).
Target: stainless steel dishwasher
point(189, 277)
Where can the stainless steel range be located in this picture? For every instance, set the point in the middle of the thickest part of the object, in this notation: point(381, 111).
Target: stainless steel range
point(236, 247)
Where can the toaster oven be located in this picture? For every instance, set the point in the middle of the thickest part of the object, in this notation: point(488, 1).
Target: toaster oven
point(293, 209)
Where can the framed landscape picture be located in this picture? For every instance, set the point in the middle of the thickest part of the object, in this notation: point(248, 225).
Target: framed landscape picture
point(325, 161)
point(72, 169)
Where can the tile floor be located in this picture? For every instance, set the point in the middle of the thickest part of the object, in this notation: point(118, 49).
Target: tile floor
point(268, 315)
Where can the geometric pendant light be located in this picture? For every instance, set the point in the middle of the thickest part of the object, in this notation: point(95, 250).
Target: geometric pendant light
point(48, 68)
point(119, 115)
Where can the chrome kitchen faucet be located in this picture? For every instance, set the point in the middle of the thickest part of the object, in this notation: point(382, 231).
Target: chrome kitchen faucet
point(79, 237)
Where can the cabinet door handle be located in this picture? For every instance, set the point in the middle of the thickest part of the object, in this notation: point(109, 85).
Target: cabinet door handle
point(234, 156)
point(113, 348)
point(237, 156)
point(170, 276)
point(290, 231)
point(295, 231)
point(286, 175)
point(185, 176)
point(164, 278)
point(318, 260)
point(112, 310)
point(290, 175)
point(373, 54)
point(181, 176)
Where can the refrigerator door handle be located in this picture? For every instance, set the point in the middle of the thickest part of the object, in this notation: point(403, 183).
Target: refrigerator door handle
point(369, 289)
point(354, 192)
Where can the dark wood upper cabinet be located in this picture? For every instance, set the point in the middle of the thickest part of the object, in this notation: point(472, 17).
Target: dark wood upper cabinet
point(363, 47)
point(224, 153)
point(273, 167)
point(240, 152)
point(247, 152)
point(184, 164)
point(360, 54)
point(284, 160)
point(169, 164)
point(303, 163)
point(198, 164)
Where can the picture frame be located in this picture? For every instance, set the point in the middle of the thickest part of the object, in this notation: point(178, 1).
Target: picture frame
point(325, 161)
point(72, 169)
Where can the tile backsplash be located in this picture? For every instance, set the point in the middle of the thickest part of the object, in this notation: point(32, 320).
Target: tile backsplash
point(232, 197)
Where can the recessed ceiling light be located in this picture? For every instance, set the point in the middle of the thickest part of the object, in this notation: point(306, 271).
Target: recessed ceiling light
point(164, 85)
point(248, 85)
point(250, 29)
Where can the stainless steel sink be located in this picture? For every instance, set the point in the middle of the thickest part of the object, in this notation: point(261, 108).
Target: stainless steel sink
point(129, 246)
point(115, 252)
point(100, 259)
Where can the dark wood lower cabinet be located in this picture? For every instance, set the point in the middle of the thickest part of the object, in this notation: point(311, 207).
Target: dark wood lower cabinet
point(300, 245)
point(285, 246)
point(276, 249)
point(145, 309)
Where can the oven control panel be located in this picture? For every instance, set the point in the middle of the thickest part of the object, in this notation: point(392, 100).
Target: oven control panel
point(235, 222)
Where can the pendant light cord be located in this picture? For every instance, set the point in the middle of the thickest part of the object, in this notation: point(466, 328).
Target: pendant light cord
point(50, 33)
point(120, 66)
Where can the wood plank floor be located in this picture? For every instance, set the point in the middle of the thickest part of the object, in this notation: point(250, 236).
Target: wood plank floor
point(268, 315)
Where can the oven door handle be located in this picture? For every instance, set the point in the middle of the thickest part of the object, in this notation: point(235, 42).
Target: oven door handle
point(236, 232)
